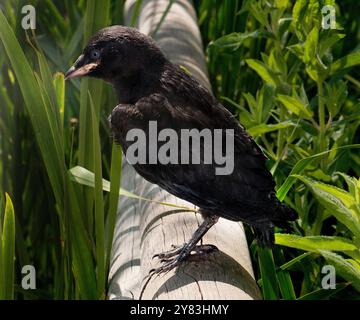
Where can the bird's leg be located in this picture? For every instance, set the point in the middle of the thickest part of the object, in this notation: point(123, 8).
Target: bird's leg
point(173, 258)
point(196, 237)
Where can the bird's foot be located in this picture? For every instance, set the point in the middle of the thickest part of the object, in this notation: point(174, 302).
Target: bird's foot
point(173, 258)
point(171, 253)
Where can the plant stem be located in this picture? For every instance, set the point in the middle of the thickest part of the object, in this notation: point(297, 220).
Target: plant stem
point(316, 229)
point(280, 137)
point(268, 146)
point(322, 127)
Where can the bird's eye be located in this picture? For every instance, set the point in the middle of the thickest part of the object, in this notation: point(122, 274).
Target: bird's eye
point(95, 54)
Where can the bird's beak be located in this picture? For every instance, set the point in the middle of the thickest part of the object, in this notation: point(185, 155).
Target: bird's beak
point(80, 68)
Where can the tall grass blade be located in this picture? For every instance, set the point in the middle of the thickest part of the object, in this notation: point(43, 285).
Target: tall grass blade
point(115, 179)
point(270, 287)
point(8, 252)
point(99, 207)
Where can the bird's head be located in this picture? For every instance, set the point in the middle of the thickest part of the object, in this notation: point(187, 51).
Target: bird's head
point(117, 52)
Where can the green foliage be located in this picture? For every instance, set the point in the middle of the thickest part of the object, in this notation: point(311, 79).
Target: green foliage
point(61, 224)
point(293, 85)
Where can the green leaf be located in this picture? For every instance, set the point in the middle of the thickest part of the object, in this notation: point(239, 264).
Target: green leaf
point(343, 196)
point(298, 50)
point(266, 74)
point(348, 61)
point(259, 11)
point(86, 177)
point(296, 106)
point(264, 103)
point(315, 243)
point(335, 96)
point(7, 259)
point(250, 101)
point(327, 42)
point(340, 203)
point(355, 263)
point(298, 14)
point(270, 287)
point(353, 185)
point(59, 84)
point(313, 15)
point(265, 128)
point(314, 66)
point(81, 249)
point(233, 41)
point(281, 3)
point(115, 178)
point(294, 261)
point(310, 46)
point(283, 276)
point(301, 165)
point(99, 207)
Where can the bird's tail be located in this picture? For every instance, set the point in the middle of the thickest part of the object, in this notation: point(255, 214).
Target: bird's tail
point(283, 215)
point(264, 235)
point(264, 232)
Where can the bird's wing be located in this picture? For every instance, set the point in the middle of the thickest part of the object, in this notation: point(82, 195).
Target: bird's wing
point(247, 186)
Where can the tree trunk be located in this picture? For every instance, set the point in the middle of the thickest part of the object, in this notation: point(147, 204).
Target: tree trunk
point(145, 228)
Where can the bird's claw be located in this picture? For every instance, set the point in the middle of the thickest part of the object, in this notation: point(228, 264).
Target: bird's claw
point(173, 258)
point(169, 254)
point(168, 265)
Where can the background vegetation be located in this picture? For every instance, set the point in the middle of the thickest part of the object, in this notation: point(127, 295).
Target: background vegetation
point(293, 85)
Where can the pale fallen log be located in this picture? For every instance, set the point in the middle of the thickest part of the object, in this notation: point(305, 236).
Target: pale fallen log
point(144, 228)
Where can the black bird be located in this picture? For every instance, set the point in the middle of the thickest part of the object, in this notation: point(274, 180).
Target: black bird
point(150, 88)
